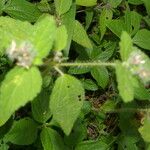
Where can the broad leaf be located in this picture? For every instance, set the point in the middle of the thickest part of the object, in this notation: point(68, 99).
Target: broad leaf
point(19, 87)
point(22, 10)
point(126, 46)
point(61, 38)
point(142, 39)
point(66, 101)
point(62, 6)
point(51, 140)
point(43, 36)
point(114, 3)
point(86, 3)
point(80, 36)
point(135, 2)
point(23, 132)
point(124, 79)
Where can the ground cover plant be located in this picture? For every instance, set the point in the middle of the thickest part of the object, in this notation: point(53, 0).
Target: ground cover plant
point(74, 74)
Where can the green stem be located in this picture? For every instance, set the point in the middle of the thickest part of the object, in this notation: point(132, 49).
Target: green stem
point(85, 64)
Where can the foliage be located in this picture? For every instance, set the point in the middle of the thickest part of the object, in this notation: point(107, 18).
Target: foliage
point(74, 74)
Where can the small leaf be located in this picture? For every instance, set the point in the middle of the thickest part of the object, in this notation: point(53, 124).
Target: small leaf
point(80, 36)
point(89, 85)
point(66, 101)
point(142, 39)
point(100, 74)
point(125, 46)
point(124, 79)
point(23, 132)
point(51, 140)
point(19, 87)
point(22, 10)
point(62, 6)
point(43, 36)
point(61, 38)
point(86, 3)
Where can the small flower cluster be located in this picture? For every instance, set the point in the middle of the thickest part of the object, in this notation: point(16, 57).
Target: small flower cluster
point(139, 65)
point(24, 54)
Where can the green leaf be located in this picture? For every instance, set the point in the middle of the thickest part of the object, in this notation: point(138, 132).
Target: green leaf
point(135, 2)
point(126, 46)
point(88, 18)
point(100, 74)
point(135, 21)
point(40, 107)
point(61, 38)
point(80, 36)
point(144, 130)
point(89, 85)
point(22, 10)
point(13, 30)
point(86, 3)
point(124, 79)
point(92, 145)
point(62, 6)
point(117, 26)
point(114, 3)
point(147, 5)
point(66, 101)
point(51, 140)
point(43, 36)
point(142, 39)
point(68, 20)
point(19, 87)
point(23, 132)
point(105, 16)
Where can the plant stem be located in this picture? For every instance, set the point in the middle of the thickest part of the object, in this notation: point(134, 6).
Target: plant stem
point(58, 70)
point(85, 64)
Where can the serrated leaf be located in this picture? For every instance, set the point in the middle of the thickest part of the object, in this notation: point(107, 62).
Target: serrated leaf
point(61, 38)
point(66, 101)
point(142, 39)
point(100, 74)
point(62, 6)
point(22, 10)
point(22, 132)
point(40, 107)
point(19, 87)
point(124, 79)
point(144, 130)
point(86, 3)
point(126, 46)
point(80, 36)
point(43, 36)
point(51, 140)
